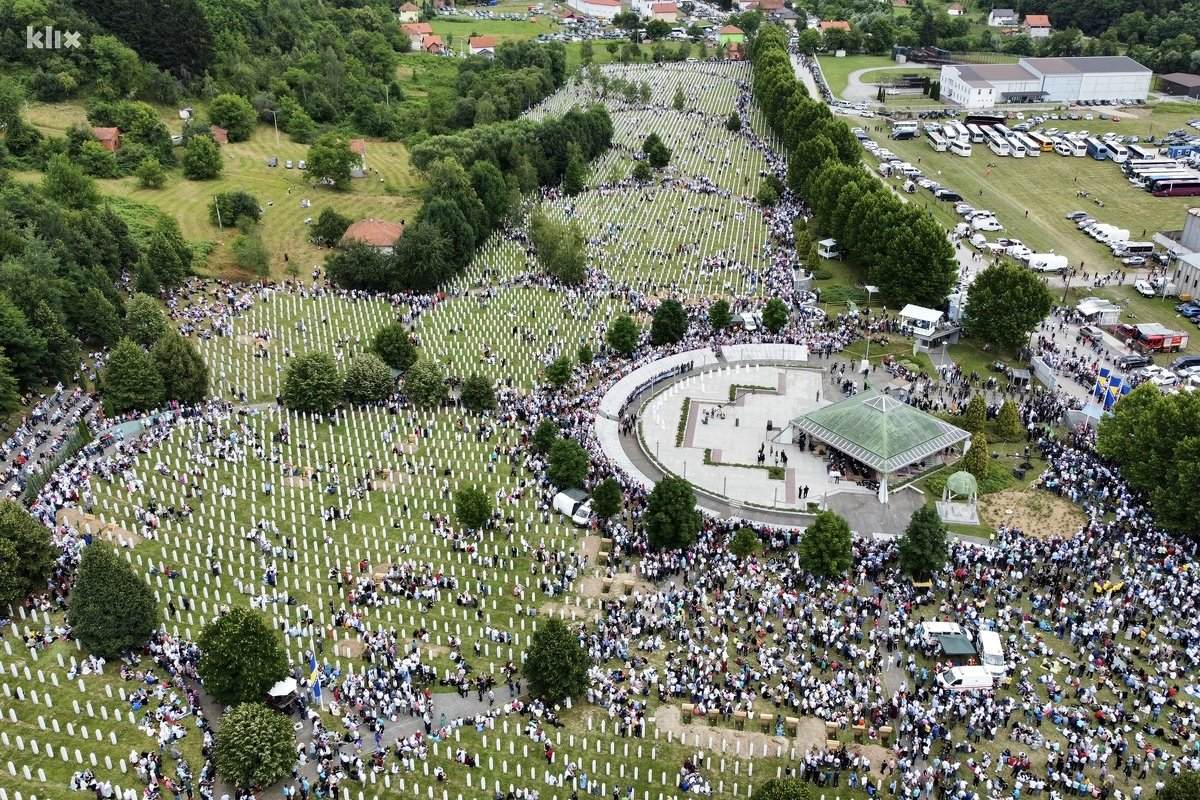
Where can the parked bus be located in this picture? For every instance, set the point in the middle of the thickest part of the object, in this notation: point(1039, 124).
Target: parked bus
point(1078, 146)
point(960, 131)
point(998, 146)
point(1139, 153)
point(1096, 148)
point(1044, 142)
point(1117, 152)
point(1147, 179)
point(1181, 187)
point(1032, 148)
point(1132, 167)
point(1016, 145)
point(1135, 248)
point(960, 147)
point(936, 141)
point(976, 132)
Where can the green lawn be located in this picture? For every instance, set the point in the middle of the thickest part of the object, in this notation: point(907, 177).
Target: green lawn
point(837, 70)
point(455, 30)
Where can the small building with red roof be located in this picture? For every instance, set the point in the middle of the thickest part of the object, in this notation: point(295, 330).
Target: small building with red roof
point(731, 34)
point(1037, 26)
point(376, 233)
point(482, 45)
point(409, 13)
point(834, 25)
point(667, 12)
point(109, 138)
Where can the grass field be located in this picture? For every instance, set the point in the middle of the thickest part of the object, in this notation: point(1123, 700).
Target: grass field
point(837, 70)
point(1031, 197)
point(388, 192)
point(456, 30)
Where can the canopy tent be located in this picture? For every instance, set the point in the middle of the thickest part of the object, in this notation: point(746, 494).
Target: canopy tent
point(881, 432)
point(283, 688)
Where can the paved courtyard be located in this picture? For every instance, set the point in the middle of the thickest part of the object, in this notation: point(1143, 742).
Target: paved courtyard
point(734, 432)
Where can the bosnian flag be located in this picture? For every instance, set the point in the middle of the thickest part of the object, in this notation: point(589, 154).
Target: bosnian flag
point(314, 675)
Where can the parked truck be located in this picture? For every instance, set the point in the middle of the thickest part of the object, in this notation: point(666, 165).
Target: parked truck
point(1151, 337)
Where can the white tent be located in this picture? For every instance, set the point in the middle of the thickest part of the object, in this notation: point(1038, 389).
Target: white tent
point(923, 320)
point(283, 688)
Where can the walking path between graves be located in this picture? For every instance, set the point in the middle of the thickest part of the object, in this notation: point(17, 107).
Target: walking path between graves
point(810, 732)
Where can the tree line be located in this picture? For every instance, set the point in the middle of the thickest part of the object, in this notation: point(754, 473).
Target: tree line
point(474, 181)
point(903, 248)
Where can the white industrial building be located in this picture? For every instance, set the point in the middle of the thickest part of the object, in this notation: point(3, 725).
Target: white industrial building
point(1045, 80)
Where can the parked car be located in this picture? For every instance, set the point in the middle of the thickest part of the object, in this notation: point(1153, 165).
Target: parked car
point(1133, 261)
point(1143, 288)
point(1134, 361)
point(288, 164)
point(1075, 216)
point(1091, 333)
point(273, 161)
point(303, 165)
point(575, 504)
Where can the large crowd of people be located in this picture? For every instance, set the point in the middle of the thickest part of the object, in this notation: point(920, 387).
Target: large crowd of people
point(1097, 699)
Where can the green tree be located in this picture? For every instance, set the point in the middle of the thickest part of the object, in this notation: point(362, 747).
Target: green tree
point(560, 247)
point(328, 229)
point(311, 383)
point(23, 344)
point(394, 344)
point(745, 542)
point(144, 320)
point(826, 549)
point(472, 507)
point(1005, 303)
point(68, 184)
point(568, 464)
point(97, 161)
point(575, 176)
point(623, 334)
point(922, 548)
point(35, 553)
point(150, 174)
point(10, 396)
point(477, 394)
point(96, 321)
point(607, 499)
point(241, 657)
point(368, 379)
point(251, 254)
point(775, 315)
point(976, 460)
point(545, 435)
point(670, 323)
point(782, 789)
point(488, 182)
point(1008, 422)
point(331, 160)
point(642, 172)
point(130, 380)
point(974, 416)
point(672, 520)
point(556, 664)
point(112, 609)
point(201, 159)
point(679, 101)
point(1184, 786)
point(734, 123)
point(229, 208)
point(558, 371)
point(425, 384)
point(11, 587)
point(656, 152)
point(584, 354)
point(183, 370)
point(256, 746)
point(235, 114)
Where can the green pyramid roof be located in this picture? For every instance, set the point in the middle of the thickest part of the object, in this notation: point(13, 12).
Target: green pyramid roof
point(882, 432)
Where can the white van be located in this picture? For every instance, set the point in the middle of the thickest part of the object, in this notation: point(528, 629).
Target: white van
point(575, 504)
point(965, 679)
point(938, 628)
point(992, 654)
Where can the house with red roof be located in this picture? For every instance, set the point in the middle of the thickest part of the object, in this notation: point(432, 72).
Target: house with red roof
point(834, 25)
point(375, 233)
point(432, 44)
point(667, 12)
point(409, 13)
point(731, 34)
point(1037, 26)
point(109, 138)
point(416, 32)
point(482, 45)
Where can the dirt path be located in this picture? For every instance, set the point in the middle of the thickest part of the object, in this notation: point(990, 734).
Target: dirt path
point(810, 732)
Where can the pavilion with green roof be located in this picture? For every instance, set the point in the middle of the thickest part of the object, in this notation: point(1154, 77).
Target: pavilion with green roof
point(881, 432)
